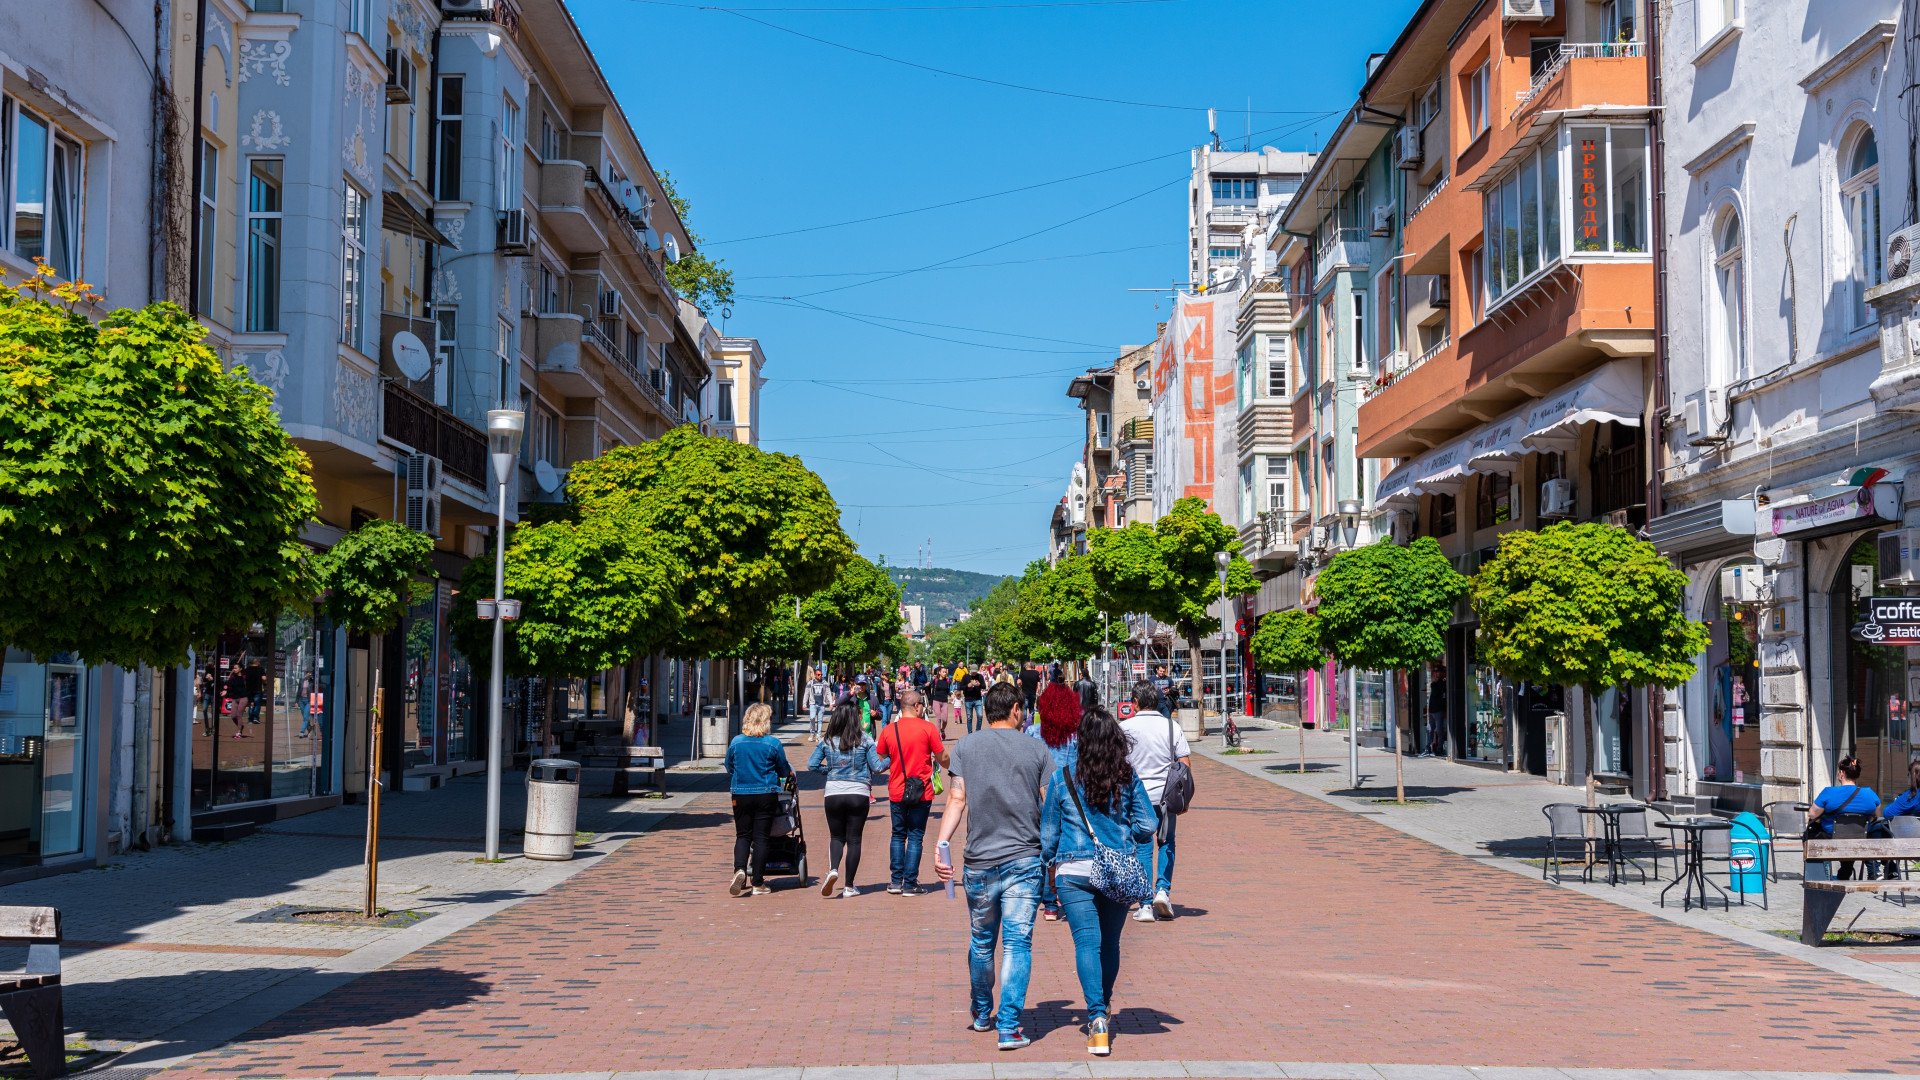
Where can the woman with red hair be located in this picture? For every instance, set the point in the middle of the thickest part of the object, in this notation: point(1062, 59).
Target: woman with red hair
point(1059, 728)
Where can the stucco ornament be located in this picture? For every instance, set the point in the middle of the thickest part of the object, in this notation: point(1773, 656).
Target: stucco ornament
point(446, 287)
point(266, 57)
point(453, 228)
point(355, 404)
point(266, 134)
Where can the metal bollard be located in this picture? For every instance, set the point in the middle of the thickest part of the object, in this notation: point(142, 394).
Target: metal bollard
point(553, 808)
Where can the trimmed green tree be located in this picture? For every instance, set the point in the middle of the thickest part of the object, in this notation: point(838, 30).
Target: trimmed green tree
point(855, 618)
point(1586, 605)
point(1057, 609)
point(1289, 641)
point(149, 498)
point(1386, 608)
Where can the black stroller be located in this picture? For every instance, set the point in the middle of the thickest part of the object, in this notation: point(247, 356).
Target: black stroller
point(787, 838)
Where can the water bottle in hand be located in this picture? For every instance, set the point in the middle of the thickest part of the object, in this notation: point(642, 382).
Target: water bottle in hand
point(946, 859)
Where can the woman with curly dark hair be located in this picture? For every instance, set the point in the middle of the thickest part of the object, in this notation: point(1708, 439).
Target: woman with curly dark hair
point(1095, 802)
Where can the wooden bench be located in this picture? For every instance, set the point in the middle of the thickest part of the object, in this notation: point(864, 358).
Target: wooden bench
point(30, 997)
point(630, 762)
point(1820, 900)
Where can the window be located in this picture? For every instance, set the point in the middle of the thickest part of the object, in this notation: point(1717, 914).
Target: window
point(360, 17)
point(1329, 478)
point(1277, 366)
point(549, 295)
point(1495, 502)
point(263, 246)
point(41, 166)
point(1300, 470)
point(1726, 324)
point(402, 116)
point(1276, 468)
point(1609, 189)
point(1103, 430)
point(446, 113)
point(1475, 99)
point(446, 334)
point(1230, 254)
point(1616, 21)
point(1860, 201)
point(353, 267)
point(1278, 186)
point(1523, 223)
point(1359, 331)
point(1541, 52)
point(1477, 277)
point(1385, 323)
point(507, 183)
point(1717, 16)
point(549, 139)
point(723, 389)
point(1246, 492)
point(543, 435)
point(636, 348)
point(1243, 383)
point(1446, 514)
point(503, 353)
point(205, 270)
point(1235, 189)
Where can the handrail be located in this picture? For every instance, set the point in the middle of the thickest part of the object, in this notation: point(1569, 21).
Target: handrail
point(1593, 50)
point(1431, 195)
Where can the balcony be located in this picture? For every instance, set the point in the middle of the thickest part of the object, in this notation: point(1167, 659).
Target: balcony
point(564, 213)
point(1265, 426)
point(1139, 429)
point(558, 357)
point(1345, 249)
point(1613, 72)
point(426, 428)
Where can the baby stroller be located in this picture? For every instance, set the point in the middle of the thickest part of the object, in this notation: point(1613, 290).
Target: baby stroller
point(787, 838)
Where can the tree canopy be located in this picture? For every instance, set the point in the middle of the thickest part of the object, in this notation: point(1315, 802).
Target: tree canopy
point(747, 527)
point(149, 498)
point(1167, 570)
point(857, 616)
point(705, 282)
point(370, 576)
point(1384, 607)
point(1056, 610)
point(1585, 605)
point(1287, 641)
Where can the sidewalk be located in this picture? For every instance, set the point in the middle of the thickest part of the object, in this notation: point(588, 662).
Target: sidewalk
point(175, 950)
point(1496, 817)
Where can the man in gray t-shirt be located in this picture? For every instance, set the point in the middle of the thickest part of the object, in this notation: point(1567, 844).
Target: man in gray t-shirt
point(998, 777)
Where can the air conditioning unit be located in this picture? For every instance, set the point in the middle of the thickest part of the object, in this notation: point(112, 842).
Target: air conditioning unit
point(516, 233)
point(1401, 529)
point(1900, 557)
point(1526, 10)
point(1556, 498)
point(422, 475)
point(1382, 220)
point(1406, 148)
point(1742, 584)
point(1142, 384)
point(1439, 291)
point(609, 302)
point(1319, 538)
point(1900, 252)
point(399, 78)
point(476, 8)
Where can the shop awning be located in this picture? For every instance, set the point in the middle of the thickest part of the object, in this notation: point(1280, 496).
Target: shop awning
point(1610, 394)
point(1497, 447)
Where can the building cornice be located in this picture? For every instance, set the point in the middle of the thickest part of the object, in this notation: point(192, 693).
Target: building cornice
point(1860, 48)
point(1733, 140)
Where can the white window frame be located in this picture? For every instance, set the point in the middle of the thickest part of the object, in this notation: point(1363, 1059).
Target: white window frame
point(1279, 486)
point(504, 354)
point(1278, 377)
point(446, 345)
point(1103, 430)
point(1358, 298)
point(353, 266)
point(723, 401)
point(208, 204)
point(1727, 322)
point(75, 150)
point(1865, 231)
point(1715, 21)
point(1478, 100)
point(266, 230)
point(447, 166)
point(360, 17)
point(507, 176)
point(1246, 491)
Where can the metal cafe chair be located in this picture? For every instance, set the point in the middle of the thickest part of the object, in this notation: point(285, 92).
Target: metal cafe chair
point(1785, 822)
point(1637, 839)
point(1716, 845)
point(1565, 829)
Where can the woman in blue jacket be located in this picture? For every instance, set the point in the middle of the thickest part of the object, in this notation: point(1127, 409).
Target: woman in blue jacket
point(1113, 801)
point(757, 765)
point(848, 757)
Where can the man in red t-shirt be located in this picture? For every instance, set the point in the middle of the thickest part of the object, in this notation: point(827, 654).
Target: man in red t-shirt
point(911, 746)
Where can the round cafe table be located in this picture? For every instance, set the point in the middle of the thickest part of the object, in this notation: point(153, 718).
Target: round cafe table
point(1693, 877)
point(1617, 861)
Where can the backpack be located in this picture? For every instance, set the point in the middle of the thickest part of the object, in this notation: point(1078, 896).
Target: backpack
point(1177, 795)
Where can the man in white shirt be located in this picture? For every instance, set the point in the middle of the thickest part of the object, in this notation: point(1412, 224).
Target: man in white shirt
point(1157, 742)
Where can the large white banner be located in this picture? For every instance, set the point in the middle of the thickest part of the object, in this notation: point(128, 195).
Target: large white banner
point(1193, 407)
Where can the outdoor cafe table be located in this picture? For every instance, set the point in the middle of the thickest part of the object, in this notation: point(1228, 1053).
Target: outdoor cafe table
point(1609, 815)
point(1693, 878)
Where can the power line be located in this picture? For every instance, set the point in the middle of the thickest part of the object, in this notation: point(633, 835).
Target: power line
point(873, 320)
point(863, 435)
point(939, 404)
point(909, 8)
point(962, 266)
point(1051, 374)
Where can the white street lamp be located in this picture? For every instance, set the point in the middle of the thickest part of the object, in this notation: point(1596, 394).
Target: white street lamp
point(504, 428)
point(1223, 560)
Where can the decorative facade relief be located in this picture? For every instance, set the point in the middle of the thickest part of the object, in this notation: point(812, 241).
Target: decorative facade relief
point(412, 26)
point(266, 58)
point(220, 36)
point(266, 135)
point(453, 228)
point(446, 287)
point(362, 116)
point(356, 403)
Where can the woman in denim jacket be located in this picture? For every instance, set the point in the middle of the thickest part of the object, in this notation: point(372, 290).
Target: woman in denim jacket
point(757, 768)
point(848, 756)
point(1116, 805)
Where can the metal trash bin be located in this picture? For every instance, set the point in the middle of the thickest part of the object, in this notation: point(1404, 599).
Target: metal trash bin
point(1749, 852)
point(553, 808)
point(716, 729)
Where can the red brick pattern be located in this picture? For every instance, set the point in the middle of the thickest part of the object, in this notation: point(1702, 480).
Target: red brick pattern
point(1308, 934)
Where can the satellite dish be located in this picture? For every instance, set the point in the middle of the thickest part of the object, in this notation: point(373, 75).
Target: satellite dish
point(410, 355)
point(633, 198)
point(671, 246)
point(546, 476)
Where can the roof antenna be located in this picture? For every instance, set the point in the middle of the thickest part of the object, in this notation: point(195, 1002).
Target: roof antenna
point(1213, 129)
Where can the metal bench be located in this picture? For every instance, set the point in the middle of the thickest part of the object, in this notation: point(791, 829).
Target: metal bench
point(1821, 899)
point(30, 997)
point(628, 763)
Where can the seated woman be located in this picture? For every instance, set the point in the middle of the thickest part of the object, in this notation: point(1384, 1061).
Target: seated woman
point(1907, 803)
point(1846, 802)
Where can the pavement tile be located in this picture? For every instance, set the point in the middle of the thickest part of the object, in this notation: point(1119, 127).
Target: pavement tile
point(1259, 1070)
point(1111, 1069)
point(1512, 1072)
point(850, 1072)
point(1424, 1072)
point(1040, 1070)
point(1311, 1070)
point(982, 1071)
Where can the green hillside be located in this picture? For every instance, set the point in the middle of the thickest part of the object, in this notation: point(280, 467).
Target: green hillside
point(945, 593)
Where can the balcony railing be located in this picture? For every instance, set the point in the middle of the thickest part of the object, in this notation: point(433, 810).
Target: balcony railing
point(1597, 50)
point(1344, 248)
point(415, 422)
point(1427, 199)
point(1139, 429)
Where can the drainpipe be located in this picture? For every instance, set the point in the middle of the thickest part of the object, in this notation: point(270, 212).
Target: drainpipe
point(193, 195)
point(1655, 427)
point(162, 121)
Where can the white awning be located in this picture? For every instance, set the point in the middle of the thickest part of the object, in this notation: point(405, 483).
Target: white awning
point(1444, 470)
point(1395, 489)
point(1496, 447)
point(1610, 394)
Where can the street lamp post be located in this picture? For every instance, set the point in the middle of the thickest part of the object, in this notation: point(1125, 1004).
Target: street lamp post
point(1350, 521)
point(1222, 560)
point(504, 428)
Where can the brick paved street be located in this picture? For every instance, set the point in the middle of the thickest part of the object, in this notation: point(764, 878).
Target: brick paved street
point(1308, 933)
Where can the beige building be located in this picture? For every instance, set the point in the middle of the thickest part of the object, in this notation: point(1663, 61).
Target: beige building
point(734, 401)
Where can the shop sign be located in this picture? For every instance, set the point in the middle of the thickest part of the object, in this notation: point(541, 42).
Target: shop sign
point(1837, 513)
point(1889, 620)
point(1586, 194)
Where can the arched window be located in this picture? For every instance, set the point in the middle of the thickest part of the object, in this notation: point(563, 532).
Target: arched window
point(1860, 202)
point(1727, 324)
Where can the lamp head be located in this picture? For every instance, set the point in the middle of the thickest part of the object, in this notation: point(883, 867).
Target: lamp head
point(1350, 508)
point(1222, 560)
point(504, 428)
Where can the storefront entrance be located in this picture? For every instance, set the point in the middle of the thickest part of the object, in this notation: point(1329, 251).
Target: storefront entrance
point(45, 721)
point(1872, 711)
point(264, 715)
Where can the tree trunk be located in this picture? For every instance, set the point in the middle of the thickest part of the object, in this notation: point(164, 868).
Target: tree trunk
point(546, 721)
point(1587, 695)
point(1399, 752)
point(1300, 722)
point(1195, 671)
point(629, 717)
point(371, 904)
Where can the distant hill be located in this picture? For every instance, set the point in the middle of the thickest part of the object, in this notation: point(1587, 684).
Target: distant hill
point(944, 593)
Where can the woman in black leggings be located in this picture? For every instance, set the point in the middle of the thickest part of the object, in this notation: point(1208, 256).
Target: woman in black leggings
point(848, 757)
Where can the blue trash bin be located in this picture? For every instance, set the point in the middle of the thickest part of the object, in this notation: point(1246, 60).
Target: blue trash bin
point(1751, 850)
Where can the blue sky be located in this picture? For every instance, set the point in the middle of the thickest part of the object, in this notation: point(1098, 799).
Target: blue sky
point(932, 428)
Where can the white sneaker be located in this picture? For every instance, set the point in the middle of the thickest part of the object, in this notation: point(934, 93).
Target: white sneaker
point(1162, 906)
point(739, 885)
point(1145, 914)
point(827, 886)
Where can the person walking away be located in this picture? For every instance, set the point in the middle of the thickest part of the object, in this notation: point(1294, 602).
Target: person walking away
point(1436, 709)
point(819, 698)
point(1029, 686)
point(909, 750)
point(1157, 743)
point(973, 691)
point(848, 757)
point(1846, 801)
point(998, 776)
point(939, 689)
point(1058, 728)
point(1096, 801)
point(756, 766)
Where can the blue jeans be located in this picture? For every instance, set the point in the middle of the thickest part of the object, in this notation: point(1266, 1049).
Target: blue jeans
point(816, 715)
point(1096, 922)
point(1002, 901)
point(976, 715)
point(1163, 880)
point(909, 833)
